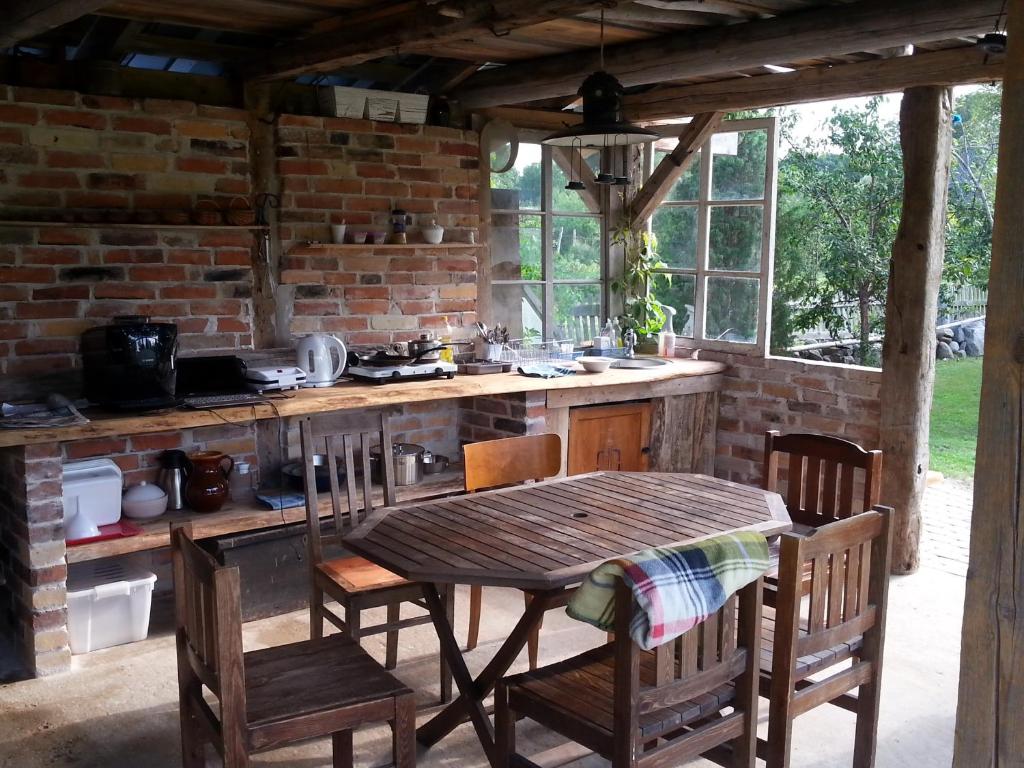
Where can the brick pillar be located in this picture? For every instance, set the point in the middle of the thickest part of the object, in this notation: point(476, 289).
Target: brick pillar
point(32, 556)
point(497, 416)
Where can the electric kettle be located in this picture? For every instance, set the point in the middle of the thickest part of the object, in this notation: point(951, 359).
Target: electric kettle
point(315, 359)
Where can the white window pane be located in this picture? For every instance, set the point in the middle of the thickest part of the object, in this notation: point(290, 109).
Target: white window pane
point(735, 238)
point(565, 166)
point(677, 291)
point(576, 246)
point(577, 311)
point(687, 186)
point(732, 304)
point(516, 252)
point(676, 230)
point(738, 171)
point(520, 307)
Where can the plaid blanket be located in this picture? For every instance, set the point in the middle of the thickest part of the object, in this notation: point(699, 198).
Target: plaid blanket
point(676, 588)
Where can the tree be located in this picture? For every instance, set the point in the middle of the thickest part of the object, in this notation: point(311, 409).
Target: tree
point(842, 193)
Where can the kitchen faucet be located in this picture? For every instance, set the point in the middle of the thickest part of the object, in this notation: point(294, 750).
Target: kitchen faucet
point(629, 344)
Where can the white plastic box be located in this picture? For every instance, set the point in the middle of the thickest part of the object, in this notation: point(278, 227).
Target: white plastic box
point(108, 604)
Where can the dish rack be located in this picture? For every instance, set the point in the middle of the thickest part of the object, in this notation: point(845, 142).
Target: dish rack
point(522, 351)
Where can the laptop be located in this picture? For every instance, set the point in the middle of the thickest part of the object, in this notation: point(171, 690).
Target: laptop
point(213, 382)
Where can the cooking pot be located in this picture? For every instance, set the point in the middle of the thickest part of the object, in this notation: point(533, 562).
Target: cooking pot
point(425, 349)
point(295, 474)
point(408, 463)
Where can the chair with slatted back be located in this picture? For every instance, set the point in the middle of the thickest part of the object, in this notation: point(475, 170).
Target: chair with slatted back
point(274, 696)
point(843, 621)
point(648, 708)
point(508, 461)
point(823, 476)
point(355, 582)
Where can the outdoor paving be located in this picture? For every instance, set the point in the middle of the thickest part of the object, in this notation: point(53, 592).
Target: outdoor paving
point(118, 708)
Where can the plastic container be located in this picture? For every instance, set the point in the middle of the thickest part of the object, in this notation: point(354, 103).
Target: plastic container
point(242, 482)
point(144, 501)
point(108, 604)
point(91, 497)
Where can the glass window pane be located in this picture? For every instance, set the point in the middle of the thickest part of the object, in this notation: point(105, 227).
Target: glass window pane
point(732, 309)
point(577, 312)
point(576, 246)
point(516, 251)
point(677, 291)
point(734, 240)
point(519, 187)
point(676, 230)
point(565, 165)
point(687, 187)
point(520, 307)
point(739, 165)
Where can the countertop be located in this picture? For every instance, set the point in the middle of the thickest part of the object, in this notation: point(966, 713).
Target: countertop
point(348, 395)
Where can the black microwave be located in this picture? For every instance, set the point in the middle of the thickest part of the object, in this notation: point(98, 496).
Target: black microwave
point(130, 365)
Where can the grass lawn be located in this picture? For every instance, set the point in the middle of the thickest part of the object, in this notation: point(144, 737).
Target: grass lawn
point(954, 429)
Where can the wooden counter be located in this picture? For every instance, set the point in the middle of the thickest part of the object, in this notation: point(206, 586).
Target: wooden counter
point(677, 377)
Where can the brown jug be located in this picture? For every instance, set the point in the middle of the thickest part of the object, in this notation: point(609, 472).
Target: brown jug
point(207, 486)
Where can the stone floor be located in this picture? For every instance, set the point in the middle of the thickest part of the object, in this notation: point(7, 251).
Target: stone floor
point(118, 708)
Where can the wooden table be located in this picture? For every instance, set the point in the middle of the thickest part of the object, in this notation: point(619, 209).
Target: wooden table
point(544, 538)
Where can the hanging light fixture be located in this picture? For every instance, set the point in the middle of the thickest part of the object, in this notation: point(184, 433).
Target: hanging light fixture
point(995, 41)
point(603, 122)
point(576, 159)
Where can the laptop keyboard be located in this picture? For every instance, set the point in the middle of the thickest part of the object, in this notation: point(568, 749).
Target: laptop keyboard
point(222, 401)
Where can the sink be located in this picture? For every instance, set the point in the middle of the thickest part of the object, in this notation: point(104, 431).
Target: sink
point(639, 362)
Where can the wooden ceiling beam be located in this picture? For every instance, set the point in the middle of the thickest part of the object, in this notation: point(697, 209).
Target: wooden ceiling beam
point(955, 66)
point(538, 119)
point(409, 27)
point(674, 164)
point(806, 34)
point(25, 19)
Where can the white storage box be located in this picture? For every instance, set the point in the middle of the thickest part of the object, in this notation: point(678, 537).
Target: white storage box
point(93, 489)
point(108, 604)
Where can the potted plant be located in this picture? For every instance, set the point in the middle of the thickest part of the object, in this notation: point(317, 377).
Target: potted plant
point(643, 313)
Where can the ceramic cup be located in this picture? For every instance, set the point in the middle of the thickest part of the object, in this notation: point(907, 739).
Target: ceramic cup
point(338, 233)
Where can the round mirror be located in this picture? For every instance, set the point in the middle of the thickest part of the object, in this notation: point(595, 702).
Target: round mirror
point(501, 142)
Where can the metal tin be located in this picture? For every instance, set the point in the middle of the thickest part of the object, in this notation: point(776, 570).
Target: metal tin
point(408, 463)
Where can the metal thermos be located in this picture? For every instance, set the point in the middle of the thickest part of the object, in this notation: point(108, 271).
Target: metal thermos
point(172, 476)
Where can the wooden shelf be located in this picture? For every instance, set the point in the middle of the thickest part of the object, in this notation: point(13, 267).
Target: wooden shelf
point(365, 246)
point(237, 518)
point(112, 225)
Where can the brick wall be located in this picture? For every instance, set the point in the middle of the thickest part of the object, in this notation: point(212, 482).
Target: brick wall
point(790, 396)
point(335, 170)
point(498, 416)
point(70, 157)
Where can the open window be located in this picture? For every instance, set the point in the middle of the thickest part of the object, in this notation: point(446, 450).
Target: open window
point(715, 231)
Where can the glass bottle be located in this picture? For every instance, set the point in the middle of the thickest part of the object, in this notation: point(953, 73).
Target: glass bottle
point(242, 483)
point(447, 353)
point(616, 333)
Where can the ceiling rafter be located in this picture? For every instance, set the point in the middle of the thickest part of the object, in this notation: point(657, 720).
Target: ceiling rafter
point(24, 19)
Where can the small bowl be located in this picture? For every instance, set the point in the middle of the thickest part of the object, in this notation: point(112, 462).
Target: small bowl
point(144, 502)
point(434, 464)
point(596, 364)
point(377, 238)
point(359, 237)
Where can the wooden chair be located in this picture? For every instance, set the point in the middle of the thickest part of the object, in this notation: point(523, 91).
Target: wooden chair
point(656, 708)
point(822, 478)
point(495, 463)
point(843, 620)
point(355, 582)
point(274, 696)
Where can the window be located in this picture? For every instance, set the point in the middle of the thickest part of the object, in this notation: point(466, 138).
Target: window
point(547, 245)
point(715, 231)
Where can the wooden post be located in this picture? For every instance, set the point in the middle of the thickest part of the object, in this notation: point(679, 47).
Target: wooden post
point(908, 354)
point(988, 718)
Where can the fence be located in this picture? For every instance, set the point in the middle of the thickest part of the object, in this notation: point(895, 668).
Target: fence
point(966, 302)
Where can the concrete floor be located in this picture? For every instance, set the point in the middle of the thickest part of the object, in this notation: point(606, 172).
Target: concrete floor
point(118, 708)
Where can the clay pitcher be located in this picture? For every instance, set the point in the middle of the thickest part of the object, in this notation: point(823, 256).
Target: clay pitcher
point(207, 486)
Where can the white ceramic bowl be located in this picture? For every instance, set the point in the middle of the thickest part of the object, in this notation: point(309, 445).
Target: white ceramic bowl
point(433, 235)
point(596, 364)
point(144, 501)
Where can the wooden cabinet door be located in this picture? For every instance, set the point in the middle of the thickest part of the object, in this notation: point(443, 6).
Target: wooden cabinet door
point(609, 437)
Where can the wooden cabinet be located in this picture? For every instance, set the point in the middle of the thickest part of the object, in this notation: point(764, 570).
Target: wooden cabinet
point(610, 437)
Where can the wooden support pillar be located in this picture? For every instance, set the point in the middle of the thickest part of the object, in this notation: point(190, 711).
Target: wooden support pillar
point(989, 732)
point(908, 354)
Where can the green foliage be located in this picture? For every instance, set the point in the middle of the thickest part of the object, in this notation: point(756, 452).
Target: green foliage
point(640, 248)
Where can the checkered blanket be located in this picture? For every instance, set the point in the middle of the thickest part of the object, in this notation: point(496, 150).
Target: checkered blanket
point(676, 588)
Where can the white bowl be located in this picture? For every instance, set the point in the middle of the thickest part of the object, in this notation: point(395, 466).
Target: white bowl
point(144, 502)
point(433, 235)
point(596, 364)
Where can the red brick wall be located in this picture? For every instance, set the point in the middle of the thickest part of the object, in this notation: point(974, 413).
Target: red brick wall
point(67, 156)
point(335, 170)
point(791, 396)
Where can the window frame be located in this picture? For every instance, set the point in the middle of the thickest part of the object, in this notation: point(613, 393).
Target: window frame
point(704, 205)
point(546, 213)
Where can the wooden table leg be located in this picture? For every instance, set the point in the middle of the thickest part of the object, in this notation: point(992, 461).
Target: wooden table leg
point(469, 704)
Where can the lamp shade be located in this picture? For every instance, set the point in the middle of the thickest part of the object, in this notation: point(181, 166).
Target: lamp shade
point(603, 123)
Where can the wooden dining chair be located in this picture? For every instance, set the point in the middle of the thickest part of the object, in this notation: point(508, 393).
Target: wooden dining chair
point(508, 461)
point(648, 708)
point(274, 696)
point(356, 583)
point(823, 478)
point(836, 636)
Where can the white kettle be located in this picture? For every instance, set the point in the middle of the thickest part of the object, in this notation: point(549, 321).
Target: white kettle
point(316, 361)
